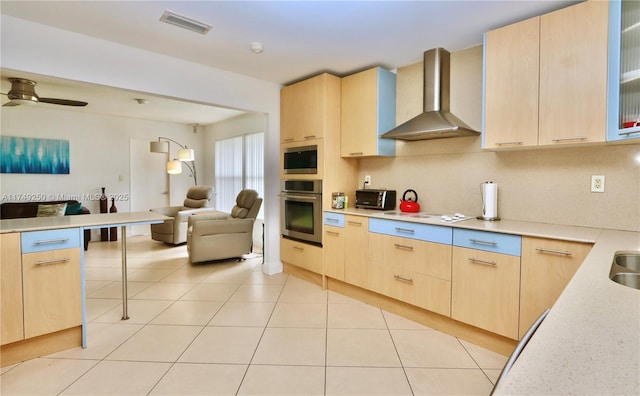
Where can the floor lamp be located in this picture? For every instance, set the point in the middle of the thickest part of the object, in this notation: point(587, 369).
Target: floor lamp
point(185, 155)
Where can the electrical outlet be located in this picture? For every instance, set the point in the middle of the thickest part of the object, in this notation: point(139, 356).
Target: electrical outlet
point(367, 180)
point(597, 183)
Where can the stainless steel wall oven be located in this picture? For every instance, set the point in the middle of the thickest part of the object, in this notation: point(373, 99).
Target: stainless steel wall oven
point(301, 210)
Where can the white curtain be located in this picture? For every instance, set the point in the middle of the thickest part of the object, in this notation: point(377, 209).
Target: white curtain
point(239, 164)
point(228, 173)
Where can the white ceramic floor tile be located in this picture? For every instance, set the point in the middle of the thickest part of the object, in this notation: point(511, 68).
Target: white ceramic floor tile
point(355, 316)
point(366, 381)
point(448, 382)
point(201, 379)
point(485, 358)
point(188, 313)
point(259, 277)
point(398, 322)
point(114, 290)
point(103, 274)
point(119, 378)
point(430, 349)
point(299, 291)
point(283, 380)
point(361, 347)
point(140, 311)
point(291, 346)
point(43, 376)
point(492, 374)
point(299, 315)
point(148, 275)
point(164, 291)
point(97, 307)
point(243, 314)
point(102, 339)
point(257, 293)
point(231, 345)
point(337, 298)
point(156, 343)
point(189, 274)
point(210, 292)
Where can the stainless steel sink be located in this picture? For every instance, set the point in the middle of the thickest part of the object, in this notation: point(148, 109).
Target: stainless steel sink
point(630, 279)
point(625, 269)
point(630, 260)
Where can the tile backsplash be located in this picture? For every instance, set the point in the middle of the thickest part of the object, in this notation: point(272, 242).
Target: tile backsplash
point(549, 185)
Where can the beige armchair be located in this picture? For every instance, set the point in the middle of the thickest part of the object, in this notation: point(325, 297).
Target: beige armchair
point(174, 231)
point(220, 235)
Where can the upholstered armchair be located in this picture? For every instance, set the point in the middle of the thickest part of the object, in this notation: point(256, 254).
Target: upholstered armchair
point(219, 235)
point(174, 231)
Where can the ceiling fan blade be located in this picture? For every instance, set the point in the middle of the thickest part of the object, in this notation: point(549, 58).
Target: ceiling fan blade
point(11, 104)
point(63, 102)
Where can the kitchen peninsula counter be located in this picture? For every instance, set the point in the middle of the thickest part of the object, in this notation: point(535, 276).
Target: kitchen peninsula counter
point(589, 343)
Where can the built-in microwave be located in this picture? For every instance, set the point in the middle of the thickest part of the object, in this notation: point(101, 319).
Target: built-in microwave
point(301, 160)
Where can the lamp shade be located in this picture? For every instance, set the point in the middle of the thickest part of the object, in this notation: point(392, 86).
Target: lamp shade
point(174, 167)
point(159, 147)
point(186, 154)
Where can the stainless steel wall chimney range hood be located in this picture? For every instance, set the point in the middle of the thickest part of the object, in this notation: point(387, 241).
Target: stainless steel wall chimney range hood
point(436, 122)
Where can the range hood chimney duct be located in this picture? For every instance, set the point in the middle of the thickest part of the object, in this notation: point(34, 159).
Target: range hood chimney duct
point(436, 122)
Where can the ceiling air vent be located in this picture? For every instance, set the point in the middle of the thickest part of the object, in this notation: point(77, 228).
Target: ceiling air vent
point(185, 22)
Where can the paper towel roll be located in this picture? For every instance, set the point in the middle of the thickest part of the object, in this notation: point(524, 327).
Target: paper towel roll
point(490, 201)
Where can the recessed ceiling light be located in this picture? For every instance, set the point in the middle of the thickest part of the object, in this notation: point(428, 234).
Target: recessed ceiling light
point(185, 22)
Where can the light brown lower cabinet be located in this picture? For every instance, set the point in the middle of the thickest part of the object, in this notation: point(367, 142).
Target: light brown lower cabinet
point(52, 291)
point(301, 255)
point(547, 267)
point(333, 246)
point(11, 319)
point(405, 269)
point(486, 290)
point(356, 250)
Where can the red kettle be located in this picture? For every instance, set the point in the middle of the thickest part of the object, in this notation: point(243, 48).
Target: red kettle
point(408, 204)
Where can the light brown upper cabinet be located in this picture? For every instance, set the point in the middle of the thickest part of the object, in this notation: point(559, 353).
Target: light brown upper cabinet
point(546, 79)
point(368, 110)
point(309, 109)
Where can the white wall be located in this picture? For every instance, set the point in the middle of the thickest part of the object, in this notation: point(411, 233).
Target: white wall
point(99, 154)
point(40, 49)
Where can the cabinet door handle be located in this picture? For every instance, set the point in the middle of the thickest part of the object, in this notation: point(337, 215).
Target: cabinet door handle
point(310, 137)
point(358, 153)
point(333, 233)
point(52, 261)
point(298, 248)
point(552, 251)
point(399, 246)
point(566, 139)
point(478, 261)
point(480, 241)
point(508, 143)
point(400, 278)
point(410, 231)
point(628, 133)
point(355, 223)
point(287, 140)
point(328, 219)
point(51, 241)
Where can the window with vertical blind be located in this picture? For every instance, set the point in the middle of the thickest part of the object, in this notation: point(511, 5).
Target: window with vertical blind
point(239, 164)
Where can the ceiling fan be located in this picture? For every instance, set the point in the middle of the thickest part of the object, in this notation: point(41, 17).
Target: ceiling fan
point(23, 92)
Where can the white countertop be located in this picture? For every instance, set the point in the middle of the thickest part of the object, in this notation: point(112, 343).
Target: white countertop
point(589, 344)
point(80, 221)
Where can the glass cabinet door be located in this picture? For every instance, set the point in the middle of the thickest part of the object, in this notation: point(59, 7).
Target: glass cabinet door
point(624, 70)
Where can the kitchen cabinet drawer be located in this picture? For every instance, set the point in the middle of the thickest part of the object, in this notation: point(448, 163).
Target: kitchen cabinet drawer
point(405, 229)
point(485, 290)
point(423, 291)
point(40, 241)
point(301, 255)
point(52, 291)
point(488, 241)
point(334, 219)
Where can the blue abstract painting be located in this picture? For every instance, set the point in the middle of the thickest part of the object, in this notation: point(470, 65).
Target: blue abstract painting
point(32, 155)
